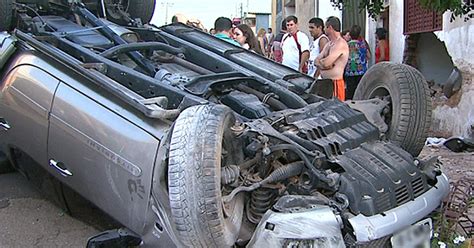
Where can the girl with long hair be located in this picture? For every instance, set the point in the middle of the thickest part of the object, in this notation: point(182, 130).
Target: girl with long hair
point(244, 35)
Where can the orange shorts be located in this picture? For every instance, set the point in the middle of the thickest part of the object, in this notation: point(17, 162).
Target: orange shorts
point(339, 89)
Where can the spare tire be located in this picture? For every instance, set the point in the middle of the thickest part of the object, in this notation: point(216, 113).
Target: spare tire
point(142, 9)
point(409, 118)
point(6, 15)
point(201, 144)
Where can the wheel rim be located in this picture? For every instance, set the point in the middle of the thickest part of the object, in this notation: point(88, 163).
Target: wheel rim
point(384, 94)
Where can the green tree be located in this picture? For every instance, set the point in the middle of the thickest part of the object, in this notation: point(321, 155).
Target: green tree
point(459, 8)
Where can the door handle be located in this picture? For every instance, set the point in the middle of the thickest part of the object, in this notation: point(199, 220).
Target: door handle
point(4, 124)
point(59, 167)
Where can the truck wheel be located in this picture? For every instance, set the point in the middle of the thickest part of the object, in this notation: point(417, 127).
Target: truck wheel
point(142, 9)
point(201, 144)
point(409, 118)
point(6, 15)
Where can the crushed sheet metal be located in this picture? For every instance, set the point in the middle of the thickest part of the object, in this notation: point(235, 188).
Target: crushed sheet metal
point(317, 227)
point(378, 226)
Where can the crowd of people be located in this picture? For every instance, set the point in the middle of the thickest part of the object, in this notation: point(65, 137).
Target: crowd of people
point(341, 56)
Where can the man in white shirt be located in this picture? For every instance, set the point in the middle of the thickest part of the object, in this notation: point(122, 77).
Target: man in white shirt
point(316, 29)
point(295, 46)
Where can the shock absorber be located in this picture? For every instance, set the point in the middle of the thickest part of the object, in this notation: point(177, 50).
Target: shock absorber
point(260, 201)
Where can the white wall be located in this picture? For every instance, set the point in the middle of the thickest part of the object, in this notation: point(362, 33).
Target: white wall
point(458, 37)
point(396, 37)
point(326, 10)
point(371, 26)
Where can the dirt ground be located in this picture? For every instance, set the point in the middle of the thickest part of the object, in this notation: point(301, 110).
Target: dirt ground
point(28, 220)
point(455, 165)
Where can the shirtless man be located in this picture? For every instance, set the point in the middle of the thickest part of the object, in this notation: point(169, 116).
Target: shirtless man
point(332, 60)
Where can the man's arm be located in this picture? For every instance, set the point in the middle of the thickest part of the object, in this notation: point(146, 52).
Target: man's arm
point(322, 43)
point(336, 52)
point(304, 58)
point(321, 56)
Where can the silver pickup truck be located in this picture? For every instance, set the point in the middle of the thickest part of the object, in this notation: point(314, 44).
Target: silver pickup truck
point(187, 140)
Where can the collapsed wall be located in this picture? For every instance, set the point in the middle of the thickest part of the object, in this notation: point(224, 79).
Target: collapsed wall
point(455, 115)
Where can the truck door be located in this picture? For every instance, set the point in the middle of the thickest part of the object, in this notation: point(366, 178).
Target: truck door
point(100, 154)
point(26, 95)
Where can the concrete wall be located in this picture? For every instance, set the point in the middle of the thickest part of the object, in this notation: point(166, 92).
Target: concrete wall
point(396, 37)
point(456, 115)
point(305, 10)
point(459, 39)
point(325, 10)
point(289, 11)
point(371, 25)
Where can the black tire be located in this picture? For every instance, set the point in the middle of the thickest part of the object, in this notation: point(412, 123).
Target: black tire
point(142, 9)
point(200, 135)
point(6, 15)
point(410, 116)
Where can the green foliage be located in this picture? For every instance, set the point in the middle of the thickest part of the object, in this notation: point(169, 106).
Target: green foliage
point(445, 231)
point(374, 7)
point(459, 8)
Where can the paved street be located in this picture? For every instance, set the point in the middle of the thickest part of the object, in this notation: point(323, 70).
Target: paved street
point(28, 220)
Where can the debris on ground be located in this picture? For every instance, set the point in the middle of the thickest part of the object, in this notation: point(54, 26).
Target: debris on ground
point(454, 224)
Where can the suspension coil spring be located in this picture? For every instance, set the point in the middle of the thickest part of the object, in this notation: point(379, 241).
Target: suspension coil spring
point(260, 201)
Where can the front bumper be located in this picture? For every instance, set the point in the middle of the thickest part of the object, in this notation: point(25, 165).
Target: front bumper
point(322, 227)
point(378, 226)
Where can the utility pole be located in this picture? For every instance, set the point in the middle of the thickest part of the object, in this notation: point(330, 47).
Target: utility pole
point(241, 10)
point(166, 5)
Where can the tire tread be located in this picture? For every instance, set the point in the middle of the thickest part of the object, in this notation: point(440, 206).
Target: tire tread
point(6, 7)
point(194, 145)
point(412, 126)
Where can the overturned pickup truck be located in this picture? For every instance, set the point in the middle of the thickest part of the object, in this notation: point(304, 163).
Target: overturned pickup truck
point(187, 140)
